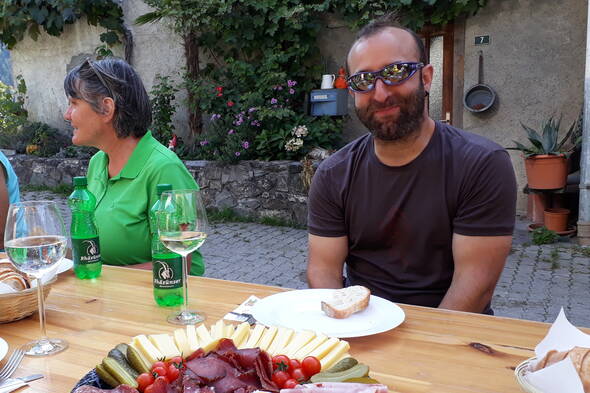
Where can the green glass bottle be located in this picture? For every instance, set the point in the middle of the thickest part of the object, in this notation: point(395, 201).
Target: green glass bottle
point(83, 231)
point(166, 265)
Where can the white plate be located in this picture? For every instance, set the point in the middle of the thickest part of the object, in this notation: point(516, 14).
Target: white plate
point(64, 265)
point(3, 348)
point(301, 310)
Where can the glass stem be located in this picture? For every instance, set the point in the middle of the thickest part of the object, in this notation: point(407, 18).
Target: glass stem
point(185, 286)
point(41, 302)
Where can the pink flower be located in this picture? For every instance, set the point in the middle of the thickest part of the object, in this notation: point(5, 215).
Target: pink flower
point(245, 145)
point(273, 101)
point(230, 103)
point(237, 154)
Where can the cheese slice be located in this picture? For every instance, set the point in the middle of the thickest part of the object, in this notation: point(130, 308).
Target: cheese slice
point(254, 337)
point(267, 337)
point(335, 354)
point(217, 330)
point(280, 341)
point(241, 334)
point(299, 340)
point(228, 330)
point(148, 350)
point(203, 334)
point(181, 341)
point(192, 339)
point(310, 346)
point(165, 344)
point(324, 348)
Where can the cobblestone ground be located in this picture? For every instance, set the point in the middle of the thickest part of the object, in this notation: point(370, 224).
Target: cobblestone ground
point(536, 283)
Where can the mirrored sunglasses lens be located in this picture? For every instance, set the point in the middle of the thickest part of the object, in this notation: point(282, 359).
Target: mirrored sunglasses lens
point(363, 82)
point(396, 72)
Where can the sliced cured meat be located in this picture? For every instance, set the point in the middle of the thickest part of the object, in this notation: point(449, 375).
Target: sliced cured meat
point(263, 367)
point(248, 356)
point(209, 369)
point(250, 378)
point(337, 387)
point(93, 389)
point(229, 384)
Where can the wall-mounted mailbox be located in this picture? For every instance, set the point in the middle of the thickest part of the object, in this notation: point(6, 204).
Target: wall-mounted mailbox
point(329, 102)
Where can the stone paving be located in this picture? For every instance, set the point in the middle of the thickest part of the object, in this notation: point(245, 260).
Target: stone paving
point(536, 282)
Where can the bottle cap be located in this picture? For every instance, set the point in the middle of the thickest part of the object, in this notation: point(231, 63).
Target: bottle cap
point(80, 181)
point(160, 188)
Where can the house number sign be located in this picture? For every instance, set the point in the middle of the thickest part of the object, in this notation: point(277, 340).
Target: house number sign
point(482, 40)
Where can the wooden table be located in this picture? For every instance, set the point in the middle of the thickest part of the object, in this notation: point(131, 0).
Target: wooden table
point(432, 351)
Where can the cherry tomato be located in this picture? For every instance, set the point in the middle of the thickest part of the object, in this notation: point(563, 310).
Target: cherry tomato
point(177, 361)
point(294, 363)
point(290, 384)
point(160, 385)
point(172, 372)
point(144, 380)
point(298, 374)
point(160, 371)
point(280, 377)
point(158, 364)
point(311, 366)
point(280, 362)
point(149, 389)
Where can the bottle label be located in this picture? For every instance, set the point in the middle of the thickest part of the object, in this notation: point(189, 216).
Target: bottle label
point(86, 251)
point(167, 272)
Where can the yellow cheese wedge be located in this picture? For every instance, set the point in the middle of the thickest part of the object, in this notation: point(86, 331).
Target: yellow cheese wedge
point(192, 339)
point(267, 337)
point(217, 330)
point(299, 340)
point(228, 330)
point(254, 337)
point(310, 346)
point(204, 336)
point(147, 349)
point(181, 341)
point(211, 345)
point(241, 334)
point(165, 344)
point(280, 341)
point(330, 359)
point(324, 348)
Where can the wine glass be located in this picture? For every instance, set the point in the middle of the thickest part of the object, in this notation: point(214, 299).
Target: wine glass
point(183, 228)
point(35, 242)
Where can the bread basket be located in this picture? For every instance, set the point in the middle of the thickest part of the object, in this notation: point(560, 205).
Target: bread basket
point(520, 372)
point(19, 305)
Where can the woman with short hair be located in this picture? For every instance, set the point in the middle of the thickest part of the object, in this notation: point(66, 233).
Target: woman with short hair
point(109, 109)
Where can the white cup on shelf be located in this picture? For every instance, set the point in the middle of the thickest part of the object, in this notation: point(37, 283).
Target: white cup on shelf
point(328, 81)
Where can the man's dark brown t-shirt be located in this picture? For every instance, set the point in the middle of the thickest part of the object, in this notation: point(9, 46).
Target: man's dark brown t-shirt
point(400, 220)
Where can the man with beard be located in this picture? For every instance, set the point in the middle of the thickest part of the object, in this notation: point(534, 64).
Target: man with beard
point(421, 212)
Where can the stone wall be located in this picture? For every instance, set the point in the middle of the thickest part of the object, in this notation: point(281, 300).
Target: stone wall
point(251, 188)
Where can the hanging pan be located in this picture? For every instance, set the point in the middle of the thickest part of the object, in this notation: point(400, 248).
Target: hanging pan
point(481, 97)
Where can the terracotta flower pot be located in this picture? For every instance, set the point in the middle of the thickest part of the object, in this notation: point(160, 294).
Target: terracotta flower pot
point(546, 172)
point(556, 219)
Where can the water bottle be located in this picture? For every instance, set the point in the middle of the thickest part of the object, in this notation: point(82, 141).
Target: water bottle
point(85, 244)
point(166, 265)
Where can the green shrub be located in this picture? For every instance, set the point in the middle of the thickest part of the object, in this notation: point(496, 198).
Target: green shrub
point(13, 114)
point(543, 235)
point(163, 109)
point(49, 139)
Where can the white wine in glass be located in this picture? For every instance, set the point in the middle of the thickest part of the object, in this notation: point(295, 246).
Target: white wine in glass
point(35, 241)
point(183, 228)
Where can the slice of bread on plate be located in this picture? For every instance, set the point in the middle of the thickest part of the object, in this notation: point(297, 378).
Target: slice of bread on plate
point(346, 301)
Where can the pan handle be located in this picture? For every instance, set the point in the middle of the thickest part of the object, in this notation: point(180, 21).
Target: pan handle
point(480, 69)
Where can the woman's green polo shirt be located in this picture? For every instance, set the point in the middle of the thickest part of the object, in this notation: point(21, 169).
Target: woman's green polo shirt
point(123, 202)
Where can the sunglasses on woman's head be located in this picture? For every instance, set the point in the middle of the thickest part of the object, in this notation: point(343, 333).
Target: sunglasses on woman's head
point(98, 74)
point(392, 74)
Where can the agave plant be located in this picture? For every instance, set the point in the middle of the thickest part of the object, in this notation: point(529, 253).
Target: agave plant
point(547, 142)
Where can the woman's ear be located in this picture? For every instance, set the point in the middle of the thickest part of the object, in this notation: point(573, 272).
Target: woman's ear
point(108, 106)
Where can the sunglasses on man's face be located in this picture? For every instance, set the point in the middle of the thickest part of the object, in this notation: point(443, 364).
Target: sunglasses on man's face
point(392, 74)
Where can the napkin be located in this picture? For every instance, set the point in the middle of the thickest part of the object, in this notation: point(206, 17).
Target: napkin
point(245, 307)
point(561, 376)
point(5, 288)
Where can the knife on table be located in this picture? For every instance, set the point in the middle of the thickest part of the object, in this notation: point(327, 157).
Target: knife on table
point(14, 383)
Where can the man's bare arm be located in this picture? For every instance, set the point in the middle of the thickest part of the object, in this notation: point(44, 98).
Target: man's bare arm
point(479, 261)
point(325, 261)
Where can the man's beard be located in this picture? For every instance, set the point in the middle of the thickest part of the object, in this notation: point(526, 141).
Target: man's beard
point(409, 119)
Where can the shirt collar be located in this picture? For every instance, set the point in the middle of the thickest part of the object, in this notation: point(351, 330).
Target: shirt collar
point(138, 158)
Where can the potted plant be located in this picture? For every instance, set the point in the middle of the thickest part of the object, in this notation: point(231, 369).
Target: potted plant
point(544, 157)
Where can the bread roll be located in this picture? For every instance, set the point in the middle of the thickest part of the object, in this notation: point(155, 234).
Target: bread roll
point(9, 276)
point(346, 301)
point(580, 358)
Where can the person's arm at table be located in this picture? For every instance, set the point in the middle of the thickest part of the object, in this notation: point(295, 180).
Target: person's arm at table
point(326, 257)
point(479, 261)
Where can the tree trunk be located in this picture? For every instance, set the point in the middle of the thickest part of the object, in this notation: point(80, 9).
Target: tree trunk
point(191, 52)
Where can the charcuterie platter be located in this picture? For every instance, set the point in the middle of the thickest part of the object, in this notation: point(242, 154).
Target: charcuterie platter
point(226, 358)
